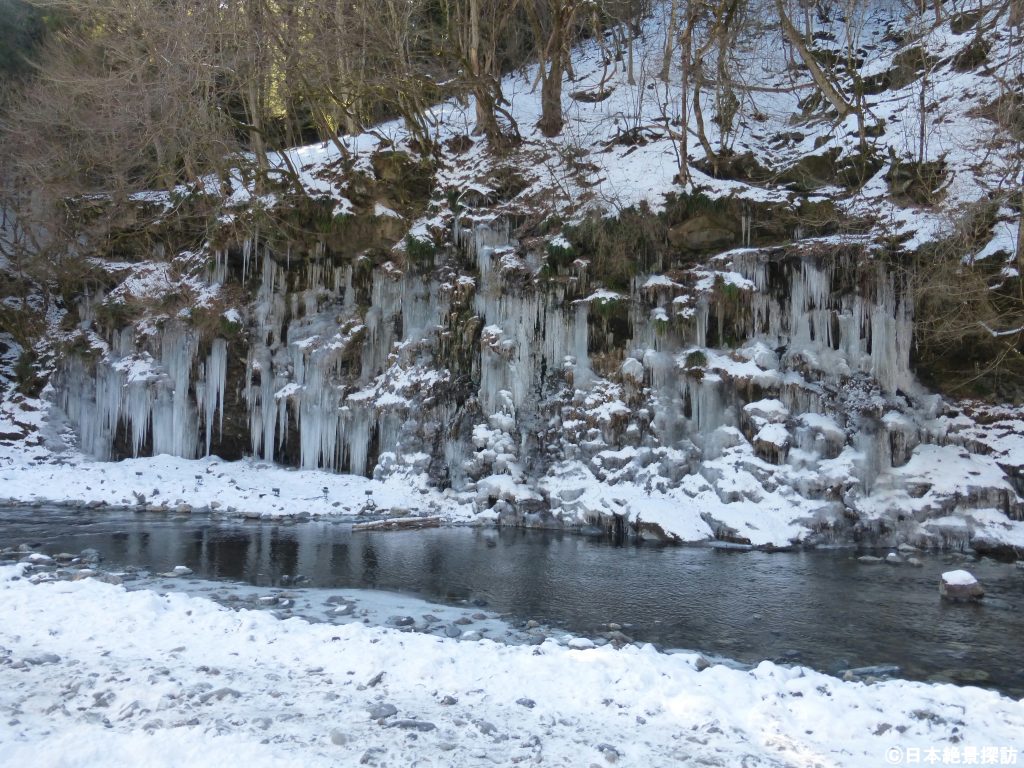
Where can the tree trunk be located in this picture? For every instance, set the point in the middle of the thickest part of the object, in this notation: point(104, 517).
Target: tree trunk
point(836, 99)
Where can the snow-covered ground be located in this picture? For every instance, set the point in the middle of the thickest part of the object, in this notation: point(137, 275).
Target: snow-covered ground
point(91, 675)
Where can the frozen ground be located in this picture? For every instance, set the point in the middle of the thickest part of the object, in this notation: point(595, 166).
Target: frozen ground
point(93, 675)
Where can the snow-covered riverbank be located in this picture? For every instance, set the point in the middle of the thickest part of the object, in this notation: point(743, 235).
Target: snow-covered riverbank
point(94, 675)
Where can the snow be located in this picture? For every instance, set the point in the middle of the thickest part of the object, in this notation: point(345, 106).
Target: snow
point(959, 578)
point(142, 678)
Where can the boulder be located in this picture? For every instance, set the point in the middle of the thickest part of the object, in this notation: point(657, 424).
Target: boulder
point(703, 233)
point(960, 585)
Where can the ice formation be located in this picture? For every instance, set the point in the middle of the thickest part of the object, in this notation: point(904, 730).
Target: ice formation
point(781, 368)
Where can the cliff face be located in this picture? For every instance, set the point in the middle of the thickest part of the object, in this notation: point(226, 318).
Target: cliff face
point(547, 335)
point(770, 390)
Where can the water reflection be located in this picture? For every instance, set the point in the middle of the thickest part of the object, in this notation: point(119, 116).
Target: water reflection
point(819, 608)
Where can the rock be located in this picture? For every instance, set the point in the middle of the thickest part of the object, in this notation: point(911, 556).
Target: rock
point(109, 578)
point(531, 624)
point(452, 631)
point(448, 701)
point(471, 636)
point(38, 558)
point(463, 620)
point(219, 695)
point(338, 737)
point(401, 621)
point(412, 725)
point(611, 754)
point(91, 556)
point(382, 711)
point(375, 680)
point(916, 562)
point(869, 559)
point(893, 558)
point(704, 232)
point(103, 699)
point(701, 663)
point(618, 639)
point(43, 658)
point(613, 627)
point(486, 728)
point(181, 570)
point(960, 585)
point(479, 616)
point(581, 643)
point(528, 703)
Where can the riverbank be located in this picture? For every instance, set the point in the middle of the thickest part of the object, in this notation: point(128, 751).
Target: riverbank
point(32, 473)
point(97, 675)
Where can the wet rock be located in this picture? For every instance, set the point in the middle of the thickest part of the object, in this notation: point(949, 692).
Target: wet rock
point(915, 562)
point(618, 639)
point(528, 703)
point(109, 578)
point(479, 616)
point(452, 631)
point(701, 664)
point(448, 701)
point(382, 711)
point(91, 556)
point(181, 570)
point(869, 560)
point(463, 620)
point(401, 621)
point(893, 558)
point(375, 680)
point(960, 585)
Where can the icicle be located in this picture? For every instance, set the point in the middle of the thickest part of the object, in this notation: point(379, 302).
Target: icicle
point(213, 397)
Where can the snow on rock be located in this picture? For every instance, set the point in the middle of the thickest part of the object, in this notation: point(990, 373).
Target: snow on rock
point(960, 585)
point(140, 678)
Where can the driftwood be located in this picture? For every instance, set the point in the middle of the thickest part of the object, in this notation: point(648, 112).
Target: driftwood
point(398, 524)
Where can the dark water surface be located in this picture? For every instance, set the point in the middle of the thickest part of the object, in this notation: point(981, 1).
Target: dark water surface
point(823, 609)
